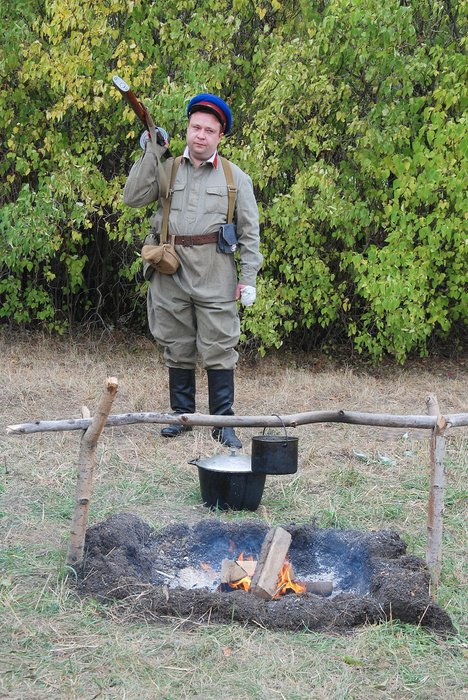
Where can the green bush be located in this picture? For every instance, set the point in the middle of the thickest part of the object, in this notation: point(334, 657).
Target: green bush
point(350, 116)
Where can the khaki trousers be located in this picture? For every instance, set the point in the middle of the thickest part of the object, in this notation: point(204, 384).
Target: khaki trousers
point(185, 326)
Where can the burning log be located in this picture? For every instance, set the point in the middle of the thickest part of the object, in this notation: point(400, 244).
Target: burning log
point(237, 575)
point(264, 577)
point(234, 571)
point(270, 563)
point(247, 565)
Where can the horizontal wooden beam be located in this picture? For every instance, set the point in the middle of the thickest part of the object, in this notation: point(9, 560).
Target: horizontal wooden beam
point(386, 420)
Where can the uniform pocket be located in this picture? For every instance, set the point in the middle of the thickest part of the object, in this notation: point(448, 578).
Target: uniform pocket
point(216, 199)
point(177, 201)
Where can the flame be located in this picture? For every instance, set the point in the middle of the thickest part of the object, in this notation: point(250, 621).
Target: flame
point(285, 582)
point(242, 583)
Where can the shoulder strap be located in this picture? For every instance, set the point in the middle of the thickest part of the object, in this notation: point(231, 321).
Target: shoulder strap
point(168, 198)
point(232, 190)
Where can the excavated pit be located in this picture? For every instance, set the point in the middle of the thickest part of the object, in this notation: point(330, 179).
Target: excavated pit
point(175, 572)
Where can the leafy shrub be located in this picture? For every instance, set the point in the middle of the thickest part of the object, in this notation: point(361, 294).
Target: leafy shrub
point(348, 115)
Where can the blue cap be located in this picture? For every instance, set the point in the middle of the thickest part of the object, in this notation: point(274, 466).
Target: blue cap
point(213, 104)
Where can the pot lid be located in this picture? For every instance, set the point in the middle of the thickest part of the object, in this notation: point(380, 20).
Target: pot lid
point(225, 463)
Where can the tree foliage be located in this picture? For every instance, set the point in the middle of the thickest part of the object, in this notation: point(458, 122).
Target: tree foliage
point(350, 116)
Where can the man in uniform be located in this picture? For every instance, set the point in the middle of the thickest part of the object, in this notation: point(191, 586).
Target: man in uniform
point(195, 309)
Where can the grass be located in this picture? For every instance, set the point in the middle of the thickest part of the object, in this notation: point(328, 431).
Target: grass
point(54, 645)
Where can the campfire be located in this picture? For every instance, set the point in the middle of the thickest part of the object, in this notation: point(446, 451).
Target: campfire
point(297, 577)
point(271, 576)
point(285, 582)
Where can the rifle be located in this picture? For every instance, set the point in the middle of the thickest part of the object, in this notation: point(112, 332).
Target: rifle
point(140, 110)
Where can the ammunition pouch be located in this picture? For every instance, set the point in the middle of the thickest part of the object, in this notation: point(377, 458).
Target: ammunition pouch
point(227, 239)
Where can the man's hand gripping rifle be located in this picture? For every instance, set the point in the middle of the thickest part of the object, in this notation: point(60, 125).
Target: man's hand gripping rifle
point(142, 113)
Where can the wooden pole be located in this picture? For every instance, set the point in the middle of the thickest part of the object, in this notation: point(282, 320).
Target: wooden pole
point(436, 493)
point(86, 464)
point(293, 420)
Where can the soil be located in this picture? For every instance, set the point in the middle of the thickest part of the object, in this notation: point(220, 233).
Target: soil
point(373, 578)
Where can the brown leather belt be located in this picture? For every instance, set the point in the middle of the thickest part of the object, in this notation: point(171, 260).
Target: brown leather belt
point(187, 241)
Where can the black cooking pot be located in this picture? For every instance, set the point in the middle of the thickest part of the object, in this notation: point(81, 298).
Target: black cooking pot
point(274, 454)
point(227, 482)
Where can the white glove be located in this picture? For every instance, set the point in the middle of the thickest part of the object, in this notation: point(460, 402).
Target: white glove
point(248, 295)
point(145, 137)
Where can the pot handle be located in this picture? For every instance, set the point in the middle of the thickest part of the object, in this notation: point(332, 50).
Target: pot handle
point(282, 423)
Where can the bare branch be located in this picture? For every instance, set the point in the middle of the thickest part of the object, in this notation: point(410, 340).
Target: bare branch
point(293, 420)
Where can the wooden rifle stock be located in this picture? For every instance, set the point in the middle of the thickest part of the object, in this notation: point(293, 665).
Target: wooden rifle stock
point(140, 110)
point(137, 106)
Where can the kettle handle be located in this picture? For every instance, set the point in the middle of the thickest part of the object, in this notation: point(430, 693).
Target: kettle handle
point(282, 423)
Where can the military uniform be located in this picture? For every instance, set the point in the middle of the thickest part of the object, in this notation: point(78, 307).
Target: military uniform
point(206, 280)
point(194, 310)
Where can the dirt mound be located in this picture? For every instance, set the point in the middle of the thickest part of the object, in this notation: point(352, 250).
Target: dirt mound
point(175, 573)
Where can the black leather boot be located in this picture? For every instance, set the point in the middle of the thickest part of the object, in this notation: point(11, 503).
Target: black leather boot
point(182, 397)
point(220, 400)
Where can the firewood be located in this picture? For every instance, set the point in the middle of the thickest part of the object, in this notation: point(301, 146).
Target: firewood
point(323, 588)
point(248, 565)
point(231, 571)
point(270, 562)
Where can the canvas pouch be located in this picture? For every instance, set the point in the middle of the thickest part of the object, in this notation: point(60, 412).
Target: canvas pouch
point(162, 258)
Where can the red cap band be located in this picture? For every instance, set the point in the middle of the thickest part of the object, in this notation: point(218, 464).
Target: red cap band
point(212, 108)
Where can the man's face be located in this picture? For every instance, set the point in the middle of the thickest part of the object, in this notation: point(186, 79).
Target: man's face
point(204, 132)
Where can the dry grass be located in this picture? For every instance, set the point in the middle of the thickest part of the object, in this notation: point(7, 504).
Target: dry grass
point(57, 646)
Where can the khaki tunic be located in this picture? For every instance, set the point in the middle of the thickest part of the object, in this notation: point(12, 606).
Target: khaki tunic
point(195, 308)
